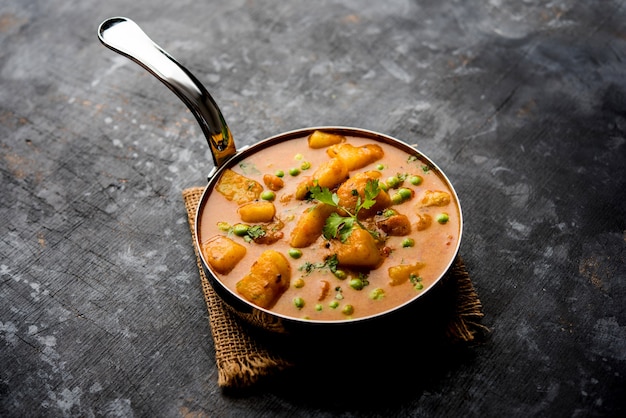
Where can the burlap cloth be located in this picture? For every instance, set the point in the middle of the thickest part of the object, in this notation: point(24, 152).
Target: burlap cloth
point(244, 354)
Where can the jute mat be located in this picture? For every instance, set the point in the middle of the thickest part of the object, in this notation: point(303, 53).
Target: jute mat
point(244, 355)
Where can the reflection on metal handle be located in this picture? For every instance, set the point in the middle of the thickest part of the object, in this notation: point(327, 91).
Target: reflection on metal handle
point(125, 37)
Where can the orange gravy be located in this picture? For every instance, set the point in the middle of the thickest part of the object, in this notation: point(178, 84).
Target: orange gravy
point(434, 246)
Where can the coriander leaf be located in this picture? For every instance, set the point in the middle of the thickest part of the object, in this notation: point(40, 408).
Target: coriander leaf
point(324, 195)
point(337, 226)
point(332, 262)
point(256, 231)
point(371, 191)
point(346, 229)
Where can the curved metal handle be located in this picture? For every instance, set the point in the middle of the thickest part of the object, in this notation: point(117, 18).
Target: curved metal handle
point(125, 37)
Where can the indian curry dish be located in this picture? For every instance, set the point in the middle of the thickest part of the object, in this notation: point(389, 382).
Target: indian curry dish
point(330, 227)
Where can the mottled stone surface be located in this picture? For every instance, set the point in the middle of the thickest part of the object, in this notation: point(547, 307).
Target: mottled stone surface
point(522, 103)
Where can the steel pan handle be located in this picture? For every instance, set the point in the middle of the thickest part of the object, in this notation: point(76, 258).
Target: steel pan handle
point(125, 37)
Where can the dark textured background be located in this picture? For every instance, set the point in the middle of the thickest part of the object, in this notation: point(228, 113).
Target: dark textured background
point(522, 103)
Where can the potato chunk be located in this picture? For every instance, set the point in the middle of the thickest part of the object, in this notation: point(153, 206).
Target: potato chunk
point(400, 274)
point(267, 280)
point(359, 250)
point(255, 212)
point(238, 188)
point(397, 225)
point(353, 189)
point(435, 198)
point(273, 182)
point(356, 157)
point(310, 225)
point(423, 221)
point(222, 253)
point(320, 139)
point(328, 174)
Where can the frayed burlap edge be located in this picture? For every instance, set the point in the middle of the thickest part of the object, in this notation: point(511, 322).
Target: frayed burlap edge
point(242, 361)
point(464, 324)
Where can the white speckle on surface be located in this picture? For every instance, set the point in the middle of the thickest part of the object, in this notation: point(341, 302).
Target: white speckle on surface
point(48, 341)
point(608, 338)
point(396, 71)
point(67, 399)
point(119, 408)
point(9, 330)
point(118, 62)
point(479, 159)
point(212, 78)
point(95, 388)
point(519, 194)
point(518, 230)
point(111, 208)
point(108, 120)
point(117, 143)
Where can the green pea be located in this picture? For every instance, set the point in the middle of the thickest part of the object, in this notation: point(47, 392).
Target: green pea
point(408, 242)
point(356, 284)
point(377, 294)
point(397, 198)
point(295, 253)
point(279, 173)
point(223, 226)
point(305, 165)
point(298, 302)
point(380, 167)
point(268, 195)
point(299, 283)
point(418, 286)
point(389, 213)
point(393, 182)
point(405, 193)
point(319, 307)
point(294, 171)
point(298, 157)
point(442, 218)
point(383, 186)
point(333, 304)
point(348, 310)
point(240, 230)
point(416, 180)
point(340, 274)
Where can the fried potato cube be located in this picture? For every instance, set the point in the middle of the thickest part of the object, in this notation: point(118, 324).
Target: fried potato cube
point(310, 225)
point(435, 198)
point(222, 253)
point(255, 212)
point(267, 280)
point(400, 274)
point(397, 225)
point(359, 250)
point(240, 189)
point(356, 157)
point(320, 139)
point(423, 221)
point(348, 198)
point(329, 174)
point(273, 182)
point(324, 289)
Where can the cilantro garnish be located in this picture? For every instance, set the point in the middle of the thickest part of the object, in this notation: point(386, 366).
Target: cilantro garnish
point(330, 262)
point(338, 226)
point(416, 281)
